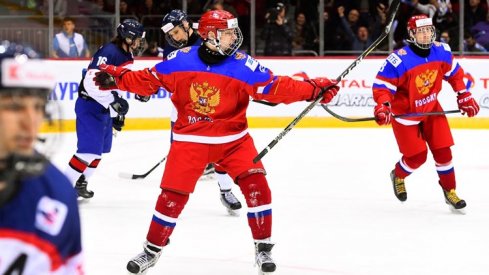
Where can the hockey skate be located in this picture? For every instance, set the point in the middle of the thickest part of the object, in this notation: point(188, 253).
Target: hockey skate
point(399, 187)
point(263, 257)
point(208, 173)
point(144, 260)
point(455, 204)
point(81, 188)
point(231, 203)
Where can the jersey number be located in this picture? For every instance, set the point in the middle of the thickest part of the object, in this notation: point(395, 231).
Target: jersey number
point(101, 60)
point(17, 267)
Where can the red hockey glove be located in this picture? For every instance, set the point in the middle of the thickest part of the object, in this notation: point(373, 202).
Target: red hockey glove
point(106, 79)
point(467, 104)
point(324, 83)
point(383, 113)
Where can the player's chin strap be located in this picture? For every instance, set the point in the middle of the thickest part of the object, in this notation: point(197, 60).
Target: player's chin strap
point(215, 43)
point(16, 167)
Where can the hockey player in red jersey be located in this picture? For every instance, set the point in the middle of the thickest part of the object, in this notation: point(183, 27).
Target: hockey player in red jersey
point(211, 87)
point(409, 82)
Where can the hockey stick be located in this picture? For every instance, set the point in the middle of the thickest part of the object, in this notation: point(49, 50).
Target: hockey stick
point(140, 176)
point(390, 19)
point(347, 119)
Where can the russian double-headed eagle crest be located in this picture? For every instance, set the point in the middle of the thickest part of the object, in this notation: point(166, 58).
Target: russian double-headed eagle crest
point(204, 98)
point(425, 81)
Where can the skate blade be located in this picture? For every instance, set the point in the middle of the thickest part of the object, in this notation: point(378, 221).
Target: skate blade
point(457, 211)
point(233, 213)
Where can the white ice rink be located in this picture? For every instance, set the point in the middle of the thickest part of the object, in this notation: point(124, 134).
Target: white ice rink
point(334, 211)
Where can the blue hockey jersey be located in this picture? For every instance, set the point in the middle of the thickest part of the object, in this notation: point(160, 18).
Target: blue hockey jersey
point(40, 228)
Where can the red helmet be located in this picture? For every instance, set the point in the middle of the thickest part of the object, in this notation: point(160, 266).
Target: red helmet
point(216, 20)
point(417, 21)
point(424, 22)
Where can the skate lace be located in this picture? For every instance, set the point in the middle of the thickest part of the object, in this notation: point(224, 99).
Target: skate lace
point(452, 196)
point(399, 184)
point(229, 197)
point(144, 260)
point(263, 258)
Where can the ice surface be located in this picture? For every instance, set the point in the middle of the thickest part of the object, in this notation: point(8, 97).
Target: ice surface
point(334, 211)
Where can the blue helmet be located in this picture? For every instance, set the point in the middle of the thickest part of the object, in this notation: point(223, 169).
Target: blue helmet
point(175, 18)
point(130, 30)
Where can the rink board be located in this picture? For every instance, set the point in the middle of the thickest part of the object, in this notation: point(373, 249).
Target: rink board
point(354, 99)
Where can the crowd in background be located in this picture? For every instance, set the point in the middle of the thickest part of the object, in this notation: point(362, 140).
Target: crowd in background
point(291, 27)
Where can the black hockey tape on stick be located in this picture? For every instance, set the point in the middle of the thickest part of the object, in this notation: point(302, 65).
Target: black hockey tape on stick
point(348, 119)
point(390, 19)
point(140, 176)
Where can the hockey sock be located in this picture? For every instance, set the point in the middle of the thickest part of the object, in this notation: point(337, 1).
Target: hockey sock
point(78, 165)
point(91, 168)
point(407, 165)
point(259, 201)
point(444, 167)
point(224, 180)
point(168, 207)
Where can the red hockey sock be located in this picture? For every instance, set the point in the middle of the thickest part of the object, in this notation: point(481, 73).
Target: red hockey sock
point(168, 207)
point(259, 199)
point(407, 165)
point(444, 168)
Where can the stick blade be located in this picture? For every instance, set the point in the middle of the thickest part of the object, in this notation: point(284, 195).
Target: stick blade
point(128, 176)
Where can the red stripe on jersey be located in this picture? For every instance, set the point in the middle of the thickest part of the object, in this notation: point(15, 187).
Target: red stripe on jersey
point(48, 248)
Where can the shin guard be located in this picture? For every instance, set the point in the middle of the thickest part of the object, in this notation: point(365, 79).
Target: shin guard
point(258, 198)
point(168, 207)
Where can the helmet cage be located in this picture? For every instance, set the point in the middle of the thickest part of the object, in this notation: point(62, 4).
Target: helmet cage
point(231, 49)
point(218, 26)
point(421, 24)
point(131, 30)
point(169, 38)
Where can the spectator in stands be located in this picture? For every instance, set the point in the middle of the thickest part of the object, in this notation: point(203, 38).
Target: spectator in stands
point(347, 25)
point(150, 15)
point(481, 32)
point(445, 37)
point(470, 45)
point(69, 43)
point(304, 36)
point(475, 12)
point(277, 33)
point(125, 11)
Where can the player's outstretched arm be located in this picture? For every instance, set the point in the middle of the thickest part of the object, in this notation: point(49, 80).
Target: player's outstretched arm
point(142, 82)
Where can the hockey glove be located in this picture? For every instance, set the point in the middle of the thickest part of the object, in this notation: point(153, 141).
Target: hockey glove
point(142, 98)
point(383, 113)
point(467, 104)
point(119, 105)
point(321, 83)
point(107, 77)
point(118, 122)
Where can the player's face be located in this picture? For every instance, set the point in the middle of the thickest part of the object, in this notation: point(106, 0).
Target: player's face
point(178, 34)
point(227, 38)
point(136, 44)
point(423, 35)
point(20, 120)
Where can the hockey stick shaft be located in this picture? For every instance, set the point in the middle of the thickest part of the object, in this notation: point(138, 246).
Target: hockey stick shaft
point(347, 119)
point(391, 15)
point(142, 176)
